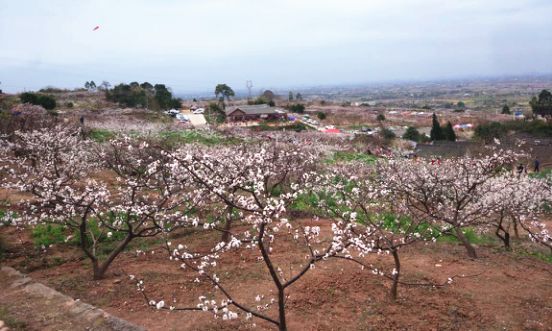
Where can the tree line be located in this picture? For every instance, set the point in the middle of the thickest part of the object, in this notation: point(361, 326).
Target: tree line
point(134, 95)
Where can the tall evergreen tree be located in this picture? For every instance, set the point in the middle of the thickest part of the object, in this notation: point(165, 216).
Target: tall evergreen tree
point(436, 131)
point(448, 132)
point(506, 110)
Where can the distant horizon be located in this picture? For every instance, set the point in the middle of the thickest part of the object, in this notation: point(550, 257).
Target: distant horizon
point(192, 46)
point(242, 91)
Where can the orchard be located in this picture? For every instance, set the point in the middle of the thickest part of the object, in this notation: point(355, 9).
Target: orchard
point(277, 210)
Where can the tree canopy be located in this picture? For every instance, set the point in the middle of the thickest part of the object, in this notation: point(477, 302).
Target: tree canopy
point(542, 105)
point(412, 134)
point(223, 91)
point(157, 97)
point(297, 108)
point(448, 132)
point(506, 110)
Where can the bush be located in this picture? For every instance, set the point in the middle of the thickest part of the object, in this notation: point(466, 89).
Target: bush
point(380, 117)
point(412, 134)
point(321, 115)
point(297, 108)
point(261, 101)
point(388, 134)
point(45, 101)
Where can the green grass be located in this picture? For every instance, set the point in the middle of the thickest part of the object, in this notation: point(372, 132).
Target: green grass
point(471, 235)
point(305, 203)
point(48, 234)
point(546, 173)
point(343, 156)
point(540, 256)
point(298, 127)
point(100, 135)
point(4, 220)
point(175, 138)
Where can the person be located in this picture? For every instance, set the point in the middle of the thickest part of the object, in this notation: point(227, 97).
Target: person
point(520, 170)
point(537, 166)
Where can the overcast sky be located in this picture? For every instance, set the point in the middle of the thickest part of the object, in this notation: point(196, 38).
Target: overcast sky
point(192, 45)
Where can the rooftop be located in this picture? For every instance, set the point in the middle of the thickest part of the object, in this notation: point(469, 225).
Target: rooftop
point(255, 109)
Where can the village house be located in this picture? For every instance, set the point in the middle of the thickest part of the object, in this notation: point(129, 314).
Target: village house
point(254, 112)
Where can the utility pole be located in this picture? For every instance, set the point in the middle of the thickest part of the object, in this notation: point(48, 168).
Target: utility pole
point(249, 85)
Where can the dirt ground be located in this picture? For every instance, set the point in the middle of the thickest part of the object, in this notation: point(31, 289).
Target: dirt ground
point(500, 291)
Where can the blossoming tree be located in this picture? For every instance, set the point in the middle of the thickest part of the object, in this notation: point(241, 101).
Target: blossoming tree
point(261, 183)
point(451, 194)
point(369, 221)
point(58, 169)
point(519, 202)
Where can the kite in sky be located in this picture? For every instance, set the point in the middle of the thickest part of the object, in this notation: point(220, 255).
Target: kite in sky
point(96, 28)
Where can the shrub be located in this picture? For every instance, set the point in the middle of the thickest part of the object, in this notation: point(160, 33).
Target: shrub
point(388, 134)
point(412, 134)
point(45, 101)
point(262, 100)
point(321, 115)
point(297, 108)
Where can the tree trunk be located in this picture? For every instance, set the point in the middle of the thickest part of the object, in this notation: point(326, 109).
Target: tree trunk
point(505, 238)
point(469, 248)
point(516, 232)
point(396, 275)
point(228, 225)
point(281, 310)
point(101, 269)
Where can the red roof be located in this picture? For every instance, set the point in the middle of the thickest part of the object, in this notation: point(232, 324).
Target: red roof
point(331, 131)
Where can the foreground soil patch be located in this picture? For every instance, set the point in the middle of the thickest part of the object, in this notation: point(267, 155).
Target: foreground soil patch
point(501, 291)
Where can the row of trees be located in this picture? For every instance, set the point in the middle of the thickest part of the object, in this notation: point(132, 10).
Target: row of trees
point(156, 97)
point(370, 210)
point(91, 86)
